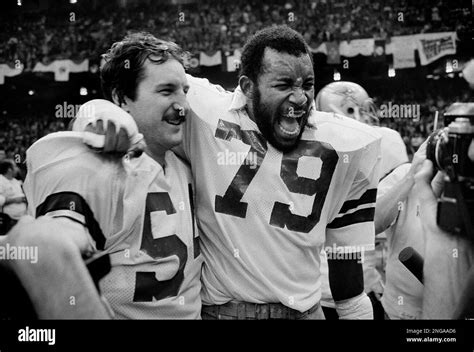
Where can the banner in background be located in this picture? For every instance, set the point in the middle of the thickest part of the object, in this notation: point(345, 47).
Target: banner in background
point(403, 50)
point(7, 71)
point(357, 47)
point(210, 59)
point(232, 62)
point(62, 68)
point(432, 46)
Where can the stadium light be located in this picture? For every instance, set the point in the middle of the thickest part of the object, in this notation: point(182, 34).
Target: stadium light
point(83, 91)
point(31, 92)
point(336, 76)
point(449, 66)
point(72, 1)
point(391, 72)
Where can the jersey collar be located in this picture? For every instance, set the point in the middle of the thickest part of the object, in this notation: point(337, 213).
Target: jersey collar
point(239, 100)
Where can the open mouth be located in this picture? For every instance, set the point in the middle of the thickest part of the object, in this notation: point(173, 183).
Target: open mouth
point(174, 120)
point(289, 125)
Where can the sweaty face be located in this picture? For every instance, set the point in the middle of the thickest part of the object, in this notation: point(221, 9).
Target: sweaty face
point(160, 105)
point(282, 100)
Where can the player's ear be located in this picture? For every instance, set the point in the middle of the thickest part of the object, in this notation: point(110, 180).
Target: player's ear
point(116, 97)
point(246, 85)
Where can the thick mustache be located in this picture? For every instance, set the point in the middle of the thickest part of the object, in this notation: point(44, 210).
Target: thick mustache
point(175, 115)
point(293, 110)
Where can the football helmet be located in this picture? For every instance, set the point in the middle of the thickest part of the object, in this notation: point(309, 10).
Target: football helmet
point(348, 99)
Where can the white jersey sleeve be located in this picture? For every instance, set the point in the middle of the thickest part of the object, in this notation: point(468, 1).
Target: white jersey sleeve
point(66, 179)
point(138, 214)
point(402, 298)
point(352, 229)
point(394, 151)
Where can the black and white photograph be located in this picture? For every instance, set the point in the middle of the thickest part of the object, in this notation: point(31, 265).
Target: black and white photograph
point(237, 160)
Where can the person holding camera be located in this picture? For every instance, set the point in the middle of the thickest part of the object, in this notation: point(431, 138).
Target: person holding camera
point(397, 214)
point(446, 212)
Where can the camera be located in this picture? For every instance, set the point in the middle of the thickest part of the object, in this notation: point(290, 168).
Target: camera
point(448, 149)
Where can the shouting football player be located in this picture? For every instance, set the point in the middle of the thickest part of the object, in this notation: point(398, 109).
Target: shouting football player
point(276, 181)
point(138, 210)
point(308, 181)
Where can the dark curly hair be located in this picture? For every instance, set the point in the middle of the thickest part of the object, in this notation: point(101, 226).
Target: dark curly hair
point(123, 68)
point(5, 165)
point(280, 38)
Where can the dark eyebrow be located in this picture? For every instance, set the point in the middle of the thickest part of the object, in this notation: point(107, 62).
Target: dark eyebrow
point(165, 85)
point(284, 79)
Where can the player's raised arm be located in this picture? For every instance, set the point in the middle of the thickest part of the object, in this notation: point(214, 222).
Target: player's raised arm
point(349, 234)
point(203, 98)
point(394, 191)
point(108, 128)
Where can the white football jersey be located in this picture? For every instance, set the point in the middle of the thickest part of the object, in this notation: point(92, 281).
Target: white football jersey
point(264, 216)
point(135, 211)
point(403, 294)
point(394, 151)
point(394, 154)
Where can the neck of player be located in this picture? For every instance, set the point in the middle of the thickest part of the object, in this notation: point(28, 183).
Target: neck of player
point(158, 154)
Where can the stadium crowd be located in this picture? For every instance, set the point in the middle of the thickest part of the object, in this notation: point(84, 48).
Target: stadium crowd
point(224, 25)
point(17, 134)
point(414, 130)
point(73, 33)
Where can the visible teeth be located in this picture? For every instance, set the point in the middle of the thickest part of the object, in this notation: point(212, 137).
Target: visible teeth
point(175, 121)
point(294, 115)
point(290, 133)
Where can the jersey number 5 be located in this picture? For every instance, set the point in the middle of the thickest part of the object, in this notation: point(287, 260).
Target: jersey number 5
point(147, 286)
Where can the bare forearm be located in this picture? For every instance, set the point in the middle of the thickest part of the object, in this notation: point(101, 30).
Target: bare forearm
point(59, 284)
point(56, 278)
point(448, 260)
point(465, 308)
point(387, 206)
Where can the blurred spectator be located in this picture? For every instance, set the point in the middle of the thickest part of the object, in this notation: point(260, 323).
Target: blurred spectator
point(17, 134)
point(12, 198)
point(209, 25)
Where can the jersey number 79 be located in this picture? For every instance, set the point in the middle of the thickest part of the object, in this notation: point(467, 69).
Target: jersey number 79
point(230, 203)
